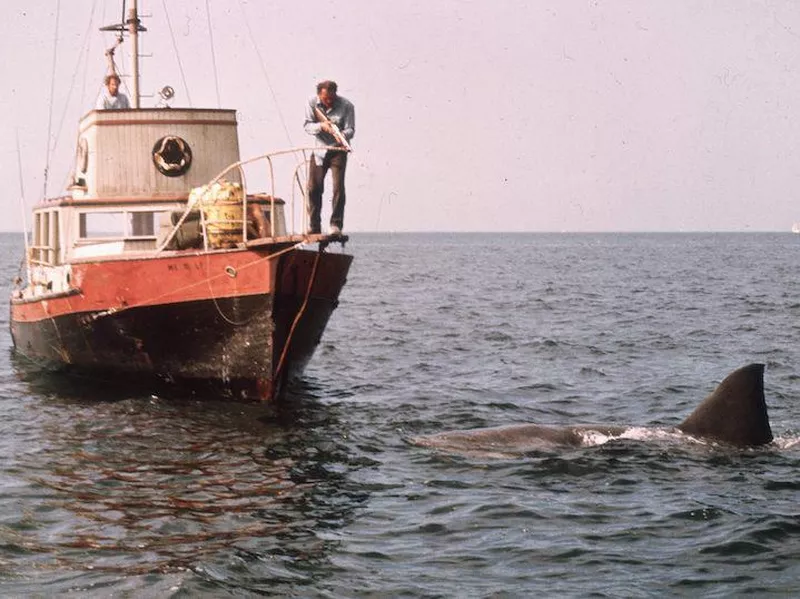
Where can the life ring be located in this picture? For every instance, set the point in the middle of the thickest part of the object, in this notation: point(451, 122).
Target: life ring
point(172, 156)
point(82, 156)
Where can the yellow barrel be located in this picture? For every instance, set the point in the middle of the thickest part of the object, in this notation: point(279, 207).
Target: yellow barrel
point(223, 223)
point(222, 212)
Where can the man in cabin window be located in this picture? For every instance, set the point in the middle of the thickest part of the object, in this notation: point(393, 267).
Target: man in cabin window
point(331, 119)
point(111, 98)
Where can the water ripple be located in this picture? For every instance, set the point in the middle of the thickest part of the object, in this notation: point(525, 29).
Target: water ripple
point(123, 492)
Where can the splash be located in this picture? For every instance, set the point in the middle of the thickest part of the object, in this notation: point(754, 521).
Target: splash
point(593, 438)
point(787, 442)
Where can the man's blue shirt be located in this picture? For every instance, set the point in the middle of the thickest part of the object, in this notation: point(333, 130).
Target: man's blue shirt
point(342, 114)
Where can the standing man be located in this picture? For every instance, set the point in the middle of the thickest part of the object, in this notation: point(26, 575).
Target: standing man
point(332, 120)
point(111, 98)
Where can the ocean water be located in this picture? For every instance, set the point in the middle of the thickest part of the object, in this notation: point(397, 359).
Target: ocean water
point(110, 492)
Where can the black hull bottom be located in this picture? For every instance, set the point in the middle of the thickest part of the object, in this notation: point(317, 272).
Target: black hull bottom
point(233, 346)
point(104, 384)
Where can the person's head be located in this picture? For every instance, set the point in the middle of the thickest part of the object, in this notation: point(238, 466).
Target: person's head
point(112, 83)
point(326, 92)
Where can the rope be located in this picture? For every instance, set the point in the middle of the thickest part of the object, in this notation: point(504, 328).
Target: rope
point(300, 312)
point(177, 54)
point(216, 304)
point(211, 290)
point(207, 280)
point(213, 53)
point(52, 95)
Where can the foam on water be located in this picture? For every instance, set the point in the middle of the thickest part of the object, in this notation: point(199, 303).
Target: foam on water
point(790, 442)
point(591, 438)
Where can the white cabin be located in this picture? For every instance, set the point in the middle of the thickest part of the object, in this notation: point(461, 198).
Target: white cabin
point(133, 170)
point(152, 153)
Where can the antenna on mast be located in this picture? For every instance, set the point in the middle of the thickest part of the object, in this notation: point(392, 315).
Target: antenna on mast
point(133, 26)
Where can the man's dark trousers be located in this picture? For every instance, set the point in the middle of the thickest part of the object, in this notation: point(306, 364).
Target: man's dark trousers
point(337, 163)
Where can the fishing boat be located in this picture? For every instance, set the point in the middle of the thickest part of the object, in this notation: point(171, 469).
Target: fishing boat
point(158, 262)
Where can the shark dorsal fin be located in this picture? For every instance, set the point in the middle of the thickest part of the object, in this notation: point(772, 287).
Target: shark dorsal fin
point(735, 412)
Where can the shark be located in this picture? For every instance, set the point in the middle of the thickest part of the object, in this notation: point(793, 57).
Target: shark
point(735, 414)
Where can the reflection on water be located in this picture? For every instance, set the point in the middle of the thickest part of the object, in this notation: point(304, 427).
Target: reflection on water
point(140, 484)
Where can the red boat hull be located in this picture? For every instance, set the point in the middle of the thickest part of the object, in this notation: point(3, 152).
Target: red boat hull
point(242, 320)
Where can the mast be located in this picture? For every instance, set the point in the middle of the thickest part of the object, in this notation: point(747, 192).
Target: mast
point(133, 28)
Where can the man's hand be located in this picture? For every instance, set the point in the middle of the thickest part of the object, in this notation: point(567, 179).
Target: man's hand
point(326, 127)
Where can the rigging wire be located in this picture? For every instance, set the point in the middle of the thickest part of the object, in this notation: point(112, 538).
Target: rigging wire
point(213, 52)
point(265, 73)
point(88, 53)
point(22, 205)
point(52, 95)
point(121, 68)
point(177, 54)
point(84, 50)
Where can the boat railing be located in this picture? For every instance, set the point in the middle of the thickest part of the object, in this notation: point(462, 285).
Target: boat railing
point(298, 183)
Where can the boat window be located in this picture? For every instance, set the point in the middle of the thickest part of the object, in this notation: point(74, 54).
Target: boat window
point(44, 246)
point(44, 232)
point(142, 224)
point(37, 224)
point(55, 240)
point(38, 228)
point(117, 224)
point(102, 225)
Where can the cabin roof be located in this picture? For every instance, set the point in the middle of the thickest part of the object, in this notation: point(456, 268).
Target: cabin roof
point(156, 116)
point(69, 201)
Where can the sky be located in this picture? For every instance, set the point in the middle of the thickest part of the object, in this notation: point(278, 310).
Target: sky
point(471, 115)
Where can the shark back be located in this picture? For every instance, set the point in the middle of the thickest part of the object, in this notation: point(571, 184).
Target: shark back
point(735, 413)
